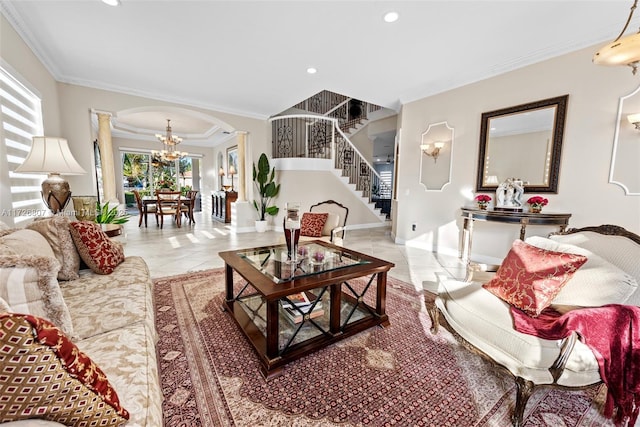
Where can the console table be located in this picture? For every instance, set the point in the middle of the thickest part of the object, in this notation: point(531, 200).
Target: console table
point(471, 215)
point(221, 204)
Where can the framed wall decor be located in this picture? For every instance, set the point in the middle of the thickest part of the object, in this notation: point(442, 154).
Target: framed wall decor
point(232, 158)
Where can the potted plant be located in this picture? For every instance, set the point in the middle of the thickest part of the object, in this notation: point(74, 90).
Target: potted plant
point(264, 180)
point(536, 203)
point(483, 201)
point(110, 214)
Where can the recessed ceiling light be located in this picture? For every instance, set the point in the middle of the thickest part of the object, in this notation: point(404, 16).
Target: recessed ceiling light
point(111, 2)
point(391, 17)
point(311, 70)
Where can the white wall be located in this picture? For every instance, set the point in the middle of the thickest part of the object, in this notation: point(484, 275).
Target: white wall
point(76, 103)
point(309, 187)
point(583, 190)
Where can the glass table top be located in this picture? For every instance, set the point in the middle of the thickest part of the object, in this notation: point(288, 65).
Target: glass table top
point(311, 258)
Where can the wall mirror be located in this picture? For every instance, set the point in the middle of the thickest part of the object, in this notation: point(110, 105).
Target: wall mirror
point(436, 149)
point(624, 169)
point(522, 142)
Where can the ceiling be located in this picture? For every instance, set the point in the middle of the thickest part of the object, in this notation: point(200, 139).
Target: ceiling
point(250, 57)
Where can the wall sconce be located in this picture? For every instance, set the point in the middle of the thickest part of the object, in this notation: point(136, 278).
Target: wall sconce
point(435, 152)
point(634, 119)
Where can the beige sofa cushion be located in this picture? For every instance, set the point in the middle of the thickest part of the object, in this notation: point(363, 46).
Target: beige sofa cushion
point(333, 221)
point(4, 306)
point(137, 384)
point(55, 230)
point(28, 285)
point(618, 250)
point(596, 283)
point(25, 242)
point(125, 297)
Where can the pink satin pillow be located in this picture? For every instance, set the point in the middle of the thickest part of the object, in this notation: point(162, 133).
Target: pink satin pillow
point(530, 277)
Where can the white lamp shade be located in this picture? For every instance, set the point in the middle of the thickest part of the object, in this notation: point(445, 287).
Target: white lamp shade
point(623, 51)
point(50, 155)
point(634, 118)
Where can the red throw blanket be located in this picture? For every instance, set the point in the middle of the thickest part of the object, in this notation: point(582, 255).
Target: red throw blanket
point(612, 332)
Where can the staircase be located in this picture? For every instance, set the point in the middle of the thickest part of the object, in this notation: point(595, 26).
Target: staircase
point(351, 113)
point(323, 132)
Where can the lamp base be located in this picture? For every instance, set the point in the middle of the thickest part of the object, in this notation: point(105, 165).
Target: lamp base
point(56, 192)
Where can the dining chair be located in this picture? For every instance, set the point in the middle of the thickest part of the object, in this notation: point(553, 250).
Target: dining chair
point(144, 210)
point(168, 203)
point(189, 206)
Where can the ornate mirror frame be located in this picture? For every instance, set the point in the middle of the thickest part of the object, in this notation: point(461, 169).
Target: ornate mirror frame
point(551, 169)
point(623, 170)
point(435, 172)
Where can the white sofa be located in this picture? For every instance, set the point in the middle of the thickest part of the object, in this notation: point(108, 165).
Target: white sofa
point(484, 320)
point(113, 323)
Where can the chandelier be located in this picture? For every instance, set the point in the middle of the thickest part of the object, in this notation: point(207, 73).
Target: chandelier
point(623, 50)
point(170, 141)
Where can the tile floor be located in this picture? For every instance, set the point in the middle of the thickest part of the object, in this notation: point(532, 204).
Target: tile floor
point(194, 247)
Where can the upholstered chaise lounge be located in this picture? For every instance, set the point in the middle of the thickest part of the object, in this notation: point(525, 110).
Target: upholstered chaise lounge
point(473, 313)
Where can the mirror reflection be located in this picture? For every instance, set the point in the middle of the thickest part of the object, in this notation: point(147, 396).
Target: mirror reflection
point(522, 142)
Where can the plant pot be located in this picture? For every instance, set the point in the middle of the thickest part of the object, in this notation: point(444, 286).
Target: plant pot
point(261, 226)
point(535, 209)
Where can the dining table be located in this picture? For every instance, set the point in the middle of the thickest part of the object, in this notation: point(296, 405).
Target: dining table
point(152, 200)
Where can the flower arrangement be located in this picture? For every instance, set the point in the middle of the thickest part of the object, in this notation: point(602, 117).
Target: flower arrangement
point(483, 200)
point(536, 203)
point(165, 183)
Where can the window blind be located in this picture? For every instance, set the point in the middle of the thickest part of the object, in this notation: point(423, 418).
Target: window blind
point(21, 117)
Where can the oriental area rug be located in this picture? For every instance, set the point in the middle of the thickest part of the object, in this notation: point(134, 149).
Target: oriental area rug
point(400, 375)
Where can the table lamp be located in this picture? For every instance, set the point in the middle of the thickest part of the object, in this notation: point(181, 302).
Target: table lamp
point(232, 172)
point(221, 175)
point(52, 156)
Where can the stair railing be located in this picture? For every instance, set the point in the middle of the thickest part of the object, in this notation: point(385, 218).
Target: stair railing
point(313, 136)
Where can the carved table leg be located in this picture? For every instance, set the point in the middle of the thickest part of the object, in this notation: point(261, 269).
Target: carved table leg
point(524, 388)
point(434, 314)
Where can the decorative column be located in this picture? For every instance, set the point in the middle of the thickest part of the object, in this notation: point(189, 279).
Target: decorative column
point(241, 138)
point(106, 156)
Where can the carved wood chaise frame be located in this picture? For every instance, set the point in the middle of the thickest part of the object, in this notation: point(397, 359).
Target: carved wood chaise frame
point(525, 387)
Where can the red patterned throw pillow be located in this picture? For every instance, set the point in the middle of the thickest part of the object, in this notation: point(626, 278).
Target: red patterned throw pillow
point(101, 254)
point(44, 375)
point(312, 224)
point(530, 277)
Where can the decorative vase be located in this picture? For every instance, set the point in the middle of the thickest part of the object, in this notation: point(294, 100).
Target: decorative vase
point(292, 229)
point(482, 206)
point(85, 207)
point(535, 209)
point(261, 226)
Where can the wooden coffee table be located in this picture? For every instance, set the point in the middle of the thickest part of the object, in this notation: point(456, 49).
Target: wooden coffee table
point(264, 303)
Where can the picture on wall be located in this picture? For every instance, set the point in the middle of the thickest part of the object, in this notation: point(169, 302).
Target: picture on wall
point(98, 169)
point(232, 158)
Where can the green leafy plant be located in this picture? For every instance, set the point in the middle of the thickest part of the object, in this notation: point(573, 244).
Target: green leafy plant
point(264, 180)
point(106, 215)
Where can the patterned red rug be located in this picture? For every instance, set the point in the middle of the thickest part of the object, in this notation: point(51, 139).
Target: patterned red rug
point(401, 375)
